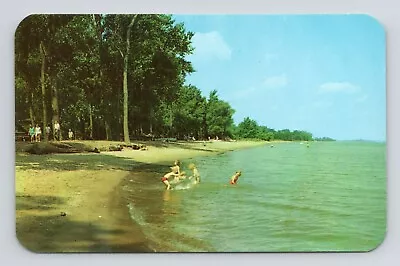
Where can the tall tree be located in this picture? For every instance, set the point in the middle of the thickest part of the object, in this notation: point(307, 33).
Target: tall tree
point(248, 128)
point(125, 85)
point(87, 57)
point(218, 116)
point(190, 111)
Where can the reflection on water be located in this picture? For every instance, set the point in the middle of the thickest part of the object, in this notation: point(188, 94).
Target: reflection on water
point(167, 195)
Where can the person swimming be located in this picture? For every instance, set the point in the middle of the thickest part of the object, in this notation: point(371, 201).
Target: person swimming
point(235, 178)
point(175, 171)
point(195, 174)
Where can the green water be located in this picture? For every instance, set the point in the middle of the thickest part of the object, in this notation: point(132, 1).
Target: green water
point(328, 197)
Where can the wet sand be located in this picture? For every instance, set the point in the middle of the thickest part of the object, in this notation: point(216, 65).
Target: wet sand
point(71, 202)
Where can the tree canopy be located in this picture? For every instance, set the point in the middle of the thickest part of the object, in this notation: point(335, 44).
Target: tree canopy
point(118, 77)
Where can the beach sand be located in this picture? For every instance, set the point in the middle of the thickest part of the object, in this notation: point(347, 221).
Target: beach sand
point(70, 202)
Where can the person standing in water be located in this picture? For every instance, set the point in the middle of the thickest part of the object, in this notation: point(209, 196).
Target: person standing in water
point(235, 178)
point(196, 174)
point(175, 171)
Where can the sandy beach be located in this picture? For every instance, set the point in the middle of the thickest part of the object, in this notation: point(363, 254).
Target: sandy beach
point(69, 202)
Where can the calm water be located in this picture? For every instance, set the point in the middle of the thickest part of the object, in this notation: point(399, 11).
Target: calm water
point(328, 197)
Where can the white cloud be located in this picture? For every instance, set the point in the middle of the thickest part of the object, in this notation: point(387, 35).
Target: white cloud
point(271, 82)
point(211, 45)
point(346, 87)
point(276, 81)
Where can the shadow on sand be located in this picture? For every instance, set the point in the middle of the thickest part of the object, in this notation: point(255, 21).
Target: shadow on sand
point(49, 234)
point(72, 162)
point(54, 232)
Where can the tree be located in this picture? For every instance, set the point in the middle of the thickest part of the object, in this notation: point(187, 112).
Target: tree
point(36, 35)
point(189, 112)
point(219, 114)
point(70, 68)
point(248, 128)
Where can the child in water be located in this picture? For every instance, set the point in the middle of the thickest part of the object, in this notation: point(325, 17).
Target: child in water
point(175, 171)
point(235, 178)
point(195, 174)
point(178, 178)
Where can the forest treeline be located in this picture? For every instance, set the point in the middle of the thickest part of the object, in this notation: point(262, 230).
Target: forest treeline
point(118, 77)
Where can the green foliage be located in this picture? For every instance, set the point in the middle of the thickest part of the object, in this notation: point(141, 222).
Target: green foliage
point(84, 59)
point(249, 129)
point(84, 63)
point(189, 112)
point(218, 117)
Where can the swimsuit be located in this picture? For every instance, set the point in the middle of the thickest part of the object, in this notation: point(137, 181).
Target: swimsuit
point(163, 179)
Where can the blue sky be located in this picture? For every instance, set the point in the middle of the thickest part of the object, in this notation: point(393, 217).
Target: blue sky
point(322, 73)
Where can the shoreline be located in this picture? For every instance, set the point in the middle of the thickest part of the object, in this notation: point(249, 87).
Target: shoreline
point(84, 188)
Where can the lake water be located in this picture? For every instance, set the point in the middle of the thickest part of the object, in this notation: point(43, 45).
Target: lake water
point(330, 196)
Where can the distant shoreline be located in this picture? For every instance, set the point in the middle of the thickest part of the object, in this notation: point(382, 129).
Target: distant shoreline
point(83, 187)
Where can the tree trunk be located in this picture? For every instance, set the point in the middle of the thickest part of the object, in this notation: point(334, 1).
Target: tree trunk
point(54, 105)
point(125, 91)
point(118, 112)
point(151, 117)
point(31, 116)
point(125, 85)
point(42, 82)
point(151, 126)
point(98, 27)
point(171, 123)
point(108, 129)
point(90, 122)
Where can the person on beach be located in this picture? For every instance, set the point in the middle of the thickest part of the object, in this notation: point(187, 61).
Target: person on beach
point(235, 178)
point(57, 132)
point(48, 132)
point(38, 133)
point(175, 172)
point(70, 134)
point(32, 133)
point(195, 173)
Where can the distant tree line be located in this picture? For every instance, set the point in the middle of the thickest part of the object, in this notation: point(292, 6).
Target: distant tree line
point(118, 77)
point(249, 129)
point(324, 139)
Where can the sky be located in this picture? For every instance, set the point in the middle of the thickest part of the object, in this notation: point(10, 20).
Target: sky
point(325, 74)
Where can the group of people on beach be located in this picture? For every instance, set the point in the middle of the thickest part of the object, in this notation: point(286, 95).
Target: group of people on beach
point(176, 176)
point(35, 133)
